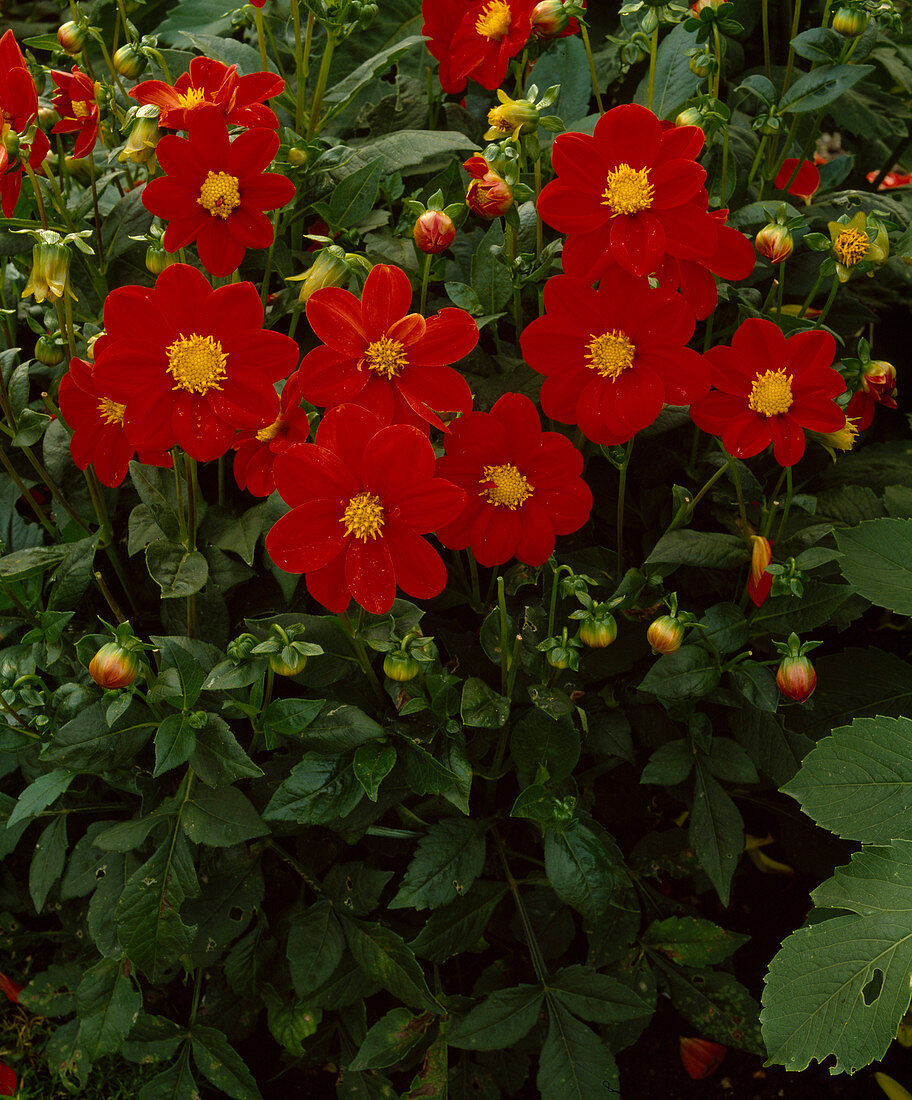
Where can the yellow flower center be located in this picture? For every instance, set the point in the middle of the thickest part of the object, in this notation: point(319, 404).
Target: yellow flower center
point(851, 246)
point(494, 21)
point(386, 357)
point(364, 516)
point(771, 393)
point(629, 190)
point(267, 434)
point(193, 97)
point(498, 122)
point(197, 364)
point(110, 411)
point(610, 354)
point(505, 486)
point(219, 194)
point(81, 108)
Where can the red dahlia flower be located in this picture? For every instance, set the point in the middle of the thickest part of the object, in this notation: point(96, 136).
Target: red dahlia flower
point(379, 355)
point(256, 451)
point(215, 191)
point(209, 83)
point(890, 180)
point(10, 988)
point(191, 364)
point(769, 389)
point(7, 1080)
point(805, 183)
point(631, 193)
point(475, 38)
point(522, 485)
point(18, 109)
point(74, 101)
point(361, 497)
point(613, 357)
point(98, 436)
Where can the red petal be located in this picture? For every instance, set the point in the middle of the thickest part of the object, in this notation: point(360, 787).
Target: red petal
point(450, 335)
point(308, 537)
point(308, 472)
point(327, 585)
point(250, 152)
point(420, 572)
point(628, 135)
point(370, 575)
point(536, 543)
point(748, 433)
point(788, 440)
point(386, 298)
point(335, 316)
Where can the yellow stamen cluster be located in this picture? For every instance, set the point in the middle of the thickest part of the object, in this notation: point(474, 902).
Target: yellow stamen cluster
point(191, 98)
point(851, 247)
point(505, 486)
point(197, 364)
point(81, 108)
point(364, 517)
point(497, 121)
point(385, 357)
point(610, 354)
point(219, 194)
point(629, 190)
point(494, 21)
point(771, 393)
point(110, 411)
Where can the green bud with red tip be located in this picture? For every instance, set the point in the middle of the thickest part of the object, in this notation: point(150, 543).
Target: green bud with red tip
point(400, 666)
point(114, 666)
point(129, 61)
point(850, 22)
point(665, 634)
point(795, 677)
point(71, 37)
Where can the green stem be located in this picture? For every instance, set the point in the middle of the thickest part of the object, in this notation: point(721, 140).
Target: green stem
point(788, 504)
point(313, 122)
point(91, 159)
point(363, 659)
point(52, 486)
point(685, 511)
point(622, 492)
point(504, 635)
point(39, 201)
point(796, 18)
point(473, 573)
point(425, 275)
point(190, 477)
point(261, 38)
point(595, 84)
point(742, 507)
point(767, 64)
point(264, 286)
point(535, 953)
point(653, 51)
point(27, 495)
point(829, 302)
point(774, 504)
point(717, 76)
point(539, 229)
point(552, 606)
point(299, 63)
point(811, 295)
point(780, 291)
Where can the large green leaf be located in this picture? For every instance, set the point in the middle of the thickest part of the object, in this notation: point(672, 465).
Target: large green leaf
point(220, 817)
point(501, 1020)
point(581, 869)
point(391, 1039)
point(218, 1061)
point(840, 987)
point(40, 794)
point(87, 743)
point(315, 946)
point(783, 614)
point(710, 550)
point(318, 790)
point(47, 861)
point(877, 560)
point(386, 958)
point(458, 926)
point(673, 83)
point(716, 831)
point(175, 740)
point(820, 87)
point(719, 1007)
point(490, 276)
point(176, 570)
point(218, 757)
point(689, 672)
point(450, 857)
point(692, 941)
point(858, 683)
point(596, 997)
point(575, 1064)
point(108, 1003)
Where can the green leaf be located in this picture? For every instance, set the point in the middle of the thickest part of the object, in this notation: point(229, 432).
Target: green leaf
point(689, 673)
point(127, 218)
point(729, 762)
point(575, 1064)
point(691, 941)
point(820, 87)
point(88, 744)
point(706, 549)
point(857, 683)
point(391, 1039)
point(176, 1083)
point(220, 817)
point(501, 1020)
point(818, 44)
point(338, 727)
point(175, 740)
point(540, 741)
point(155, 486)
point(718, 1007)
point(481, 706)
point(108, 1004)
point(386, 958)
point(318, 790)
point(40, 794)
point(458, 927)
point(775, 751)
point(491, 279)
point(580, 868)
point(372, 764)
point(669, 764)
point(220, 1063)
point(408, 152)
point(450, 857)
point(315, 946)
point(148, 913)
point(564, 64)
point(597, 997)
point(218, 758)
point(47, 862)
point(197, 16)
point(27, 563)
point(354, 198)
point(858, 782)
point(757, 684)
point(190, 673)
point(780, 615)
point(876, 560)
point(839, 987)
point(673, 82)
point(716, 831)
point(341, 93)
point(176, 570)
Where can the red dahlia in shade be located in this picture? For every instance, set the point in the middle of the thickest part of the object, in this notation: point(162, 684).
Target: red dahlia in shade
point(209, 83)
point(74, 101)
point(760, 582)
point(878, 387)
point(214, 191)
point(769, 389)
point(700, 1056)
point(361, 497)
point(475, 38)
point(191, 364)
point(7, 1080)
point(522, 485)
point(805, 183)
point(256, 451)
point(18, 109)
point(377, 354)
point(98, 436)
point(631, 193)
point(10, 988)
point(613, 357)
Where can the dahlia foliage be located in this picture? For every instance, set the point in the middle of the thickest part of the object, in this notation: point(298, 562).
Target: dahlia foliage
point(435, 435)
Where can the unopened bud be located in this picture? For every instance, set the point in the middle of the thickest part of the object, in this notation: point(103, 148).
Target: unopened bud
point(760, 582)
point(796, 678)
point(434, 232)
point(330, 268)
point(690, 116)
point(49, 277)
point(71, 38)
point(700, 64)
point(11, 145)
point(549, 18)
point(297, 158)
point(665, 634)
point(599, 632)
point(399, 666)
point(157, 259)
point(113, 666)
point(775, 242)
point(49, 350)
point(129, 62)
point(288, 662)
point(489, 195)
point(850, 22)
point(511, 116)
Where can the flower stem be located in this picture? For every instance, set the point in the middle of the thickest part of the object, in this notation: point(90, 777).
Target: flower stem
point(299, 63)
point(717, 76)
point(780, 291)
point(788, 504)
point(261, 38)
point(828, 303)
point(757, 157)
point(595, 83)
point(622, 492)
point(812, 294)
point(190, 477)
point(27, 495)
point(767, 64)
point(796, 18)
point(91, 160)
point(504, 636)
point(39, 201)
point(425, 275)
point(313, 122)
point(363, 659)
point(742, 507)
point(685, 511)
point(653, 50)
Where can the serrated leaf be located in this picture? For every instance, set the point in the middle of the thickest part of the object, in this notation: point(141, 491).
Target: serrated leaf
point(876, 558)
point(581, 870)
point(501, 1020)
point(386, 958)
point(449, 858)
point(686, 674)
point(220, 1063)
point(108, 1004)
point(175, 740)
point(457, 927)
point(719, 1007)
point(820, 87)
point(88, 744)
point(218, 758)
point(716, 831)
point(391, 1039)
point(691, 941)
point(176, 1083)
point(709, 550)
point(354, 197)
point(596, 997)
point(40, 794)
point(176, 570)
point(47, 862)
point(220, 817)
point(315, 946)
point(575, 1063)
point(319, 789)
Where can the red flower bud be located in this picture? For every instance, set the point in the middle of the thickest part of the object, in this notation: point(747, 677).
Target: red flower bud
point(775, 242)
point(10, 988)
point(760, 582)
point(665, 634)
point(71, 38)
point(796, 678)
point(878, 378)
point(434, 232)
point(489, 195)
point(549, 18)
point(113, 666)
point(700, 1056)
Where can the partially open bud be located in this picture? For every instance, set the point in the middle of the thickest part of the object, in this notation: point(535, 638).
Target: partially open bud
point(71, 38)
point(49, 277)
point(329, 268)
point(700, 1056)
point(796, 678)
point(434, 232)
point(775, 242)
point(878, 378)
point(128, 61)
point(140, 146)
point(690, 116)
point(400, 666)
point(850, 21)
point(665, 634)
point(511, 116)
point(760, 582)
point(879, 250)
point(489, 195)
point(113, 666)
point(598, 632)
point(157, 259)
point(50, 350)
point(841, 440)
point(549, 19)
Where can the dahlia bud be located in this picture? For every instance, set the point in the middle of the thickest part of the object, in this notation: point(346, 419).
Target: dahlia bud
point(47, 117)
point(701, 64)
point(760, 582)
point(49, 277)
point(11, 145)
point(434, 232)
point(549, 19)
point(775, 242)
point(598, 632)
point(665, 634)
point(157, 259)
point(288, 661)
point(113, 666)
point(128, 61)
point(850, 22)
point(796, 678)
point(50, 350)
point(71, 38)
point(400, 666)
point(878, 378)
point(511, 116)
point(700, 1056)
point(297, 158)
point(140, 146)
point(879, 250)
point(489, 195)
point(330, 268)
point(690, 116)
point(78, 168)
